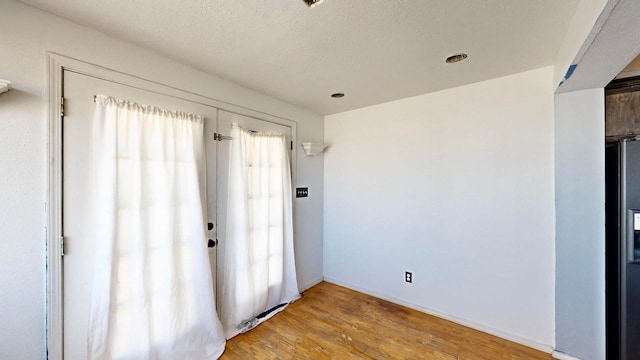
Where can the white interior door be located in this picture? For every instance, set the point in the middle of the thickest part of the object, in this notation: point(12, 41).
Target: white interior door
point(78, 190)
point(225, 119)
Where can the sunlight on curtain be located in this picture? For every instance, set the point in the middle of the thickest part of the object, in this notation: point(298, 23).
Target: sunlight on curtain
point(259, 272)
point(152, 292)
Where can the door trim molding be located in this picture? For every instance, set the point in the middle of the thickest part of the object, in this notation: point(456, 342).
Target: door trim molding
point(56, 65)
point(53, 209)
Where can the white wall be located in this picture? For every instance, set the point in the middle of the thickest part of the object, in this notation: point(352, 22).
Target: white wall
point(25, 36)
point(457, 187)
point(580, 232)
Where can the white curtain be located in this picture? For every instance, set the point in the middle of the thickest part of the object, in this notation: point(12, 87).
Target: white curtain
point(152, 294)
point(258, 264)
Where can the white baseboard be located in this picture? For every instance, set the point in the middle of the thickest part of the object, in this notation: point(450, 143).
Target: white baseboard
point(562, 356)
point(480, 327)
point(311, 284)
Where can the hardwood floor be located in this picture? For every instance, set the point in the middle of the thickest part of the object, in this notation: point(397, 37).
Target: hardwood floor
point(331, 322)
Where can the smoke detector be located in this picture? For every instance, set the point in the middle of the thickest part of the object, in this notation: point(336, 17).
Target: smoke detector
point(311, 3)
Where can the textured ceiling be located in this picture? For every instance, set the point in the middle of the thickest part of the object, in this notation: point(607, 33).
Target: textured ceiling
point(372, 50)
point(633, 65)
point(631, 70)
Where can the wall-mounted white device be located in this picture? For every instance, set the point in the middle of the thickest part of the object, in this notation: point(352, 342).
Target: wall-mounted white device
point(5, 86)
point(313, 149)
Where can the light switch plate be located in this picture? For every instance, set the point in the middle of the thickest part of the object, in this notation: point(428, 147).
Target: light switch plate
point(302, 192)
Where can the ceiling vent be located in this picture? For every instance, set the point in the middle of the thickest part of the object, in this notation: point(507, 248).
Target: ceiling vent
point(311, 3)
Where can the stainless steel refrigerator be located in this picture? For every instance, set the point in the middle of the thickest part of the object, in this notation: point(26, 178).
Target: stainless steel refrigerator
point(622, 172)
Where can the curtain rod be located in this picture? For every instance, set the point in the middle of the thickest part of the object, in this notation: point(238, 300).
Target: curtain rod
point(218, 109)
point(216, 136)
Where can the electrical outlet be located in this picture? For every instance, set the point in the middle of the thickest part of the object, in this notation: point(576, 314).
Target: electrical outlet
point(408, 277)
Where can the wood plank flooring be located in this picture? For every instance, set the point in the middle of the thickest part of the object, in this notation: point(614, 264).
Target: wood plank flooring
point(332, 322)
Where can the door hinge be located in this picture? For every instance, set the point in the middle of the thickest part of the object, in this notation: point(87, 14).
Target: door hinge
point(62, 106)
point(61, 246)
point(291, 145)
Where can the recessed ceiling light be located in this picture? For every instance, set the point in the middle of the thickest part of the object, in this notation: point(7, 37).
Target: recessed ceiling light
point(311, 3)
point(337, 95)
point(456, 58)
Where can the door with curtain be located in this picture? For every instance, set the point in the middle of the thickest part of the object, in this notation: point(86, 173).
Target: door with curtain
point(256, 267)
point(79, 189)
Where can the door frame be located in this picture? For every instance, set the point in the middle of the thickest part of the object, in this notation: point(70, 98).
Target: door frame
point(56, 65)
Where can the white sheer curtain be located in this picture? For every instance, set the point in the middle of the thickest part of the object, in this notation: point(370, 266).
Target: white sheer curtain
point(152, 294)
point(259, 268)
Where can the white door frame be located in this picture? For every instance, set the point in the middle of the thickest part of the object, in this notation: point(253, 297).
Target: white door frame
point(56, 65)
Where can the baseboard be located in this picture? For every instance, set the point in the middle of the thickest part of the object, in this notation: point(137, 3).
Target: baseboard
point(310, 284)
point(562, 356)
point(470, 324)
